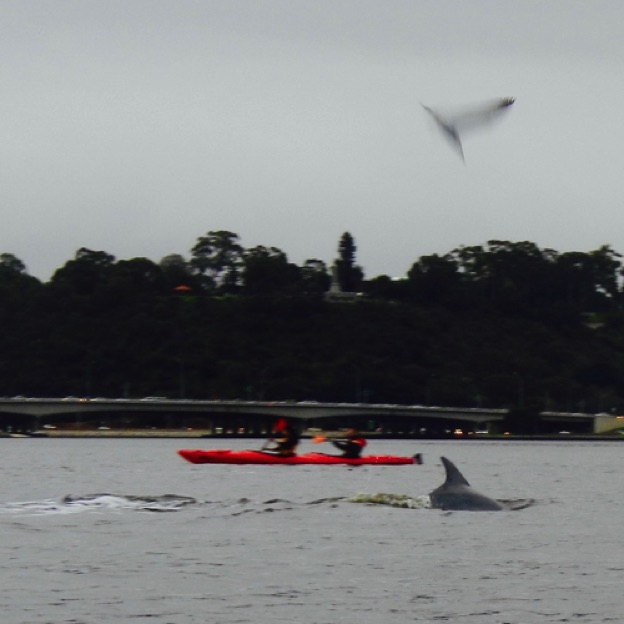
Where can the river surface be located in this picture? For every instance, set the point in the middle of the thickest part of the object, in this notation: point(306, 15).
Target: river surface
point(102, 531)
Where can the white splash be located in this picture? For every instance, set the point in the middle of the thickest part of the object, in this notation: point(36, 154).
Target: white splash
point(98, 502)
point(393, 500)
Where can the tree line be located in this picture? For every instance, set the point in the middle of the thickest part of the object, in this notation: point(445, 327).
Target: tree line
point(505, 324)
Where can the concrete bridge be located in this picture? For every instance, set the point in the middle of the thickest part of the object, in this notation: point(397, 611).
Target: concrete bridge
point(38, 410)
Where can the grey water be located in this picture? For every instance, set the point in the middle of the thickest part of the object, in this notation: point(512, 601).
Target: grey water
point(98, 531)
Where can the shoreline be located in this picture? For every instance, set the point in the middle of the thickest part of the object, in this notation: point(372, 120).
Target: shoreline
point(207, 434)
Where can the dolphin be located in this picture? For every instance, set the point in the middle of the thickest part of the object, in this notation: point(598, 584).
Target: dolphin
point(456, 494)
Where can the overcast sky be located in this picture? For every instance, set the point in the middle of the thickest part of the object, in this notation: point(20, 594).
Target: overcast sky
point(136, 126)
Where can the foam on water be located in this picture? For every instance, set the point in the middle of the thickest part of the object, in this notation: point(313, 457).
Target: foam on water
point(393, 500)
point(101, 502)
point(98, 502)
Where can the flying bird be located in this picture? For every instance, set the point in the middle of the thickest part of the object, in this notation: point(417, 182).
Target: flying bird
point(453, 126)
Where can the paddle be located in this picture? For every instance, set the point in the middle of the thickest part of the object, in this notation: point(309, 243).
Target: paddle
point(266, 444)
point(321, 439)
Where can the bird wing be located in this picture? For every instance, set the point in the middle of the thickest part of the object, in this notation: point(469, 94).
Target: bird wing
point(448, 129)
point(480, 116)
point(454, 125)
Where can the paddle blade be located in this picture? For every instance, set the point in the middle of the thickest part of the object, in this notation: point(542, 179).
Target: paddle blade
point(319, 439)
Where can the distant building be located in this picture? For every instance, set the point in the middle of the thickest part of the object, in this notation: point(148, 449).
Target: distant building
point(335, 293)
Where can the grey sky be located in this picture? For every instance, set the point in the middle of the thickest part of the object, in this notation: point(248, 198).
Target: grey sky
point(136, 126)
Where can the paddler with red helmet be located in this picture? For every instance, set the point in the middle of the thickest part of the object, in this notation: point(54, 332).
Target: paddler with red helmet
point(286, 438)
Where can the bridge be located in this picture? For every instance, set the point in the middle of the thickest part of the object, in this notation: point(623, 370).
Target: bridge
point(259, 415)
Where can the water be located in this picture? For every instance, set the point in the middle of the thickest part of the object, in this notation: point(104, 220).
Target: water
point(99, 531)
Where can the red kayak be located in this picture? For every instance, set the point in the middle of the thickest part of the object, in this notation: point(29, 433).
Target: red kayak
point(198, 456)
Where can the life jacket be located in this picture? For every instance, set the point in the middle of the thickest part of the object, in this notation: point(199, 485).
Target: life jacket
point(287, 444)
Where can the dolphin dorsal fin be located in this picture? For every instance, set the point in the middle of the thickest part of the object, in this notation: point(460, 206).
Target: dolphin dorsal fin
point(453, 476)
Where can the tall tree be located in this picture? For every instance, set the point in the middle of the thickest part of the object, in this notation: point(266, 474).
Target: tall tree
point(217, 257)
point(350, 275)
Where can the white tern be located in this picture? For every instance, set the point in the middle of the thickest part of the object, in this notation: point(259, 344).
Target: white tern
point(454, 125)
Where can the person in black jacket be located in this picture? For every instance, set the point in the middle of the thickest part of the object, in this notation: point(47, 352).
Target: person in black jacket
point(286, 439)
point(352, 445)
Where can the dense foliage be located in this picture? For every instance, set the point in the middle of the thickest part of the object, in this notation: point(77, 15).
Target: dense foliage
point(500, 325)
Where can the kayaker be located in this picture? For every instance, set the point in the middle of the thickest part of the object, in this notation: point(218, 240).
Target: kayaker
point(285, 440)
point(352, 445)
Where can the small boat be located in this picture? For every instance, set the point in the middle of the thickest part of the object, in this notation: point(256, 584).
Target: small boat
point(224, 456)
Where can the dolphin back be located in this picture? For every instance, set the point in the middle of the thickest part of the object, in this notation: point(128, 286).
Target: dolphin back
point(457, 495)
point(453, 476)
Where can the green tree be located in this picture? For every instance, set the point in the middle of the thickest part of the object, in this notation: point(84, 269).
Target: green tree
point(217, 258)
point(350, 276)
point(11, 265)
point(385, 288)
point(435, 279)
point(176, 271)
point(13, 275)
point(516, 277)
point(589, 281)
point(138, 276)
point(86, 273)
point(314, 277)
point(266, 271)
